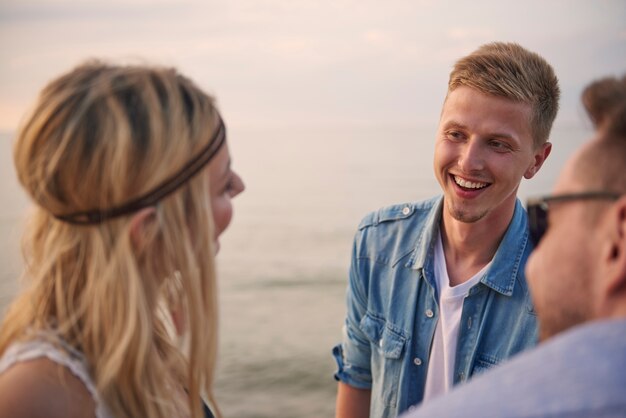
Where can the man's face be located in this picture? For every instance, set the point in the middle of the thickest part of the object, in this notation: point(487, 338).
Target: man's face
point(484, 146)
point(561, 269)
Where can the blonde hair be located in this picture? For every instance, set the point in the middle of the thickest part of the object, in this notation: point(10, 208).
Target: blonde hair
point(511, 71)
point(99, 136)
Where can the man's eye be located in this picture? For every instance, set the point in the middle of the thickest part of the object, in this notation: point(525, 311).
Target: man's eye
point(499, 146)
point(454, 135)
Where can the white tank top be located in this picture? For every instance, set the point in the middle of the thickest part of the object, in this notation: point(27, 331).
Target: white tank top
point(49, 345)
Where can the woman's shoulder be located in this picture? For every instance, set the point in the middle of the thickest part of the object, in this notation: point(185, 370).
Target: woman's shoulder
point(40, 387)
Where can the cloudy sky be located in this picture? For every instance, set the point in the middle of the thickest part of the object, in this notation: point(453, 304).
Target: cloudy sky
point(286, 62)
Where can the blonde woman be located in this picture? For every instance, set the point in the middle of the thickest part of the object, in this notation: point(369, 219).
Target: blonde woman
point(130, 172)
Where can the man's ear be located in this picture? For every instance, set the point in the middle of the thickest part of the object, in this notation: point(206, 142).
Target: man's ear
point(139, 226)
point(540, 156)
point(614, 257)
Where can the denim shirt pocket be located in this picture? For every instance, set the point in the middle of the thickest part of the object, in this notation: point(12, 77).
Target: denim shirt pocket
point(388, 339)
point(484, 363)
point(387, 342)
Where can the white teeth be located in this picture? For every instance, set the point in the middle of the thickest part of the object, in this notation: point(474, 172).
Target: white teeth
point(468, 184)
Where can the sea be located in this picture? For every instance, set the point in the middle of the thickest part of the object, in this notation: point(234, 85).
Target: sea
point(283, 263)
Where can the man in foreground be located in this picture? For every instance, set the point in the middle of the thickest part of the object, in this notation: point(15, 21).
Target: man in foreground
point(437, 291)
point(577, 277)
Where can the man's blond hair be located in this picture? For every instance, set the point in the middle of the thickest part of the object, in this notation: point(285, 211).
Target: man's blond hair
point(511, 71)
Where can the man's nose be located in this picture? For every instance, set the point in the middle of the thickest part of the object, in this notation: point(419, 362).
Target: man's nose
point(471, 157)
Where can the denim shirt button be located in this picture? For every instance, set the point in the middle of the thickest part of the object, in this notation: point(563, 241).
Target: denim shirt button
point(380, 342)
point(417, 361)
point(406, 210)
point(429, 313)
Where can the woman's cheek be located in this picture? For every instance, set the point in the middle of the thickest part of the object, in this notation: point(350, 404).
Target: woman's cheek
point(222, 215)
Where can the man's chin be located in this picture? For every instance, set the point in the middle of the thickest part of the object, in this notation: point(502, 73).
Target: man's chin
point(550, 328)
point(545, 333)
point(466, 216)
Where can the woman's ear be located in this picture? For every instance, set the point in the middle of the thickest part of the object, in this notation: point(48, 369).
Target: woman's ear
point(139, 225)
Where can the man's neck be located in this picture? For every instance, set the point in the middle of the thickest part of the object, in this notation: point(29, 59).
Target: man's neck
point(469, 247)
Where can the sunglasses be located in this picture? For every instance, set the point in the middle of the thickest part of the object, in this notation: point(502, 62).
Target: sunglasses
point(538, 209)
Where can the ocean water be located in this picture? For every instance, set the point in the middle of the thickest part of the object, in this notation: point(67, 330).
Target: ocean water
point(283, 262)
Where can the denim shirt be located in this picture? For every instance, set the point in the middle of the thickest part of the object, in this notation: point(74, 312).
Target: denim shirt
point(392, 306)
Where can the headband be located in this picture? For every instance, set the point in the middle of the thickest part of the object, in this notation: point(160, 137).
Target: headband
point(96, 216)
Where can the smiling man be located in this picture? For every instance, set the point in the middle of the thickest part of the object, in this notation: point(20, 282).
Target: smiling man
point(577, 276)
point(437, 291)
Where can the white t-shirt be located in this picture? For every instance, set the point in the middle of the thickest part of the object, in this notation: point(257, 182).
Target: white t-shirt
point(443, 350)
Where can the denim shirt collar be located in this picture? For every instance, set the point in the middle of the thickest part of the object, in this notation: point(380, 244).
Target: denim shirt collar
point(426, 240)
point(506, 262)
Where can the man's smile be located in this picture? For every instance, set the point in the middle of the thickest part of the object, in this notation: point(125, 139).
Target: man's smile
point(468, 184)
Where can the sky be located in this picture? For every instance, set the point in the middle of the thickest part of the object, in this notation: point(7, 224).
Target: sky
point(306, 62)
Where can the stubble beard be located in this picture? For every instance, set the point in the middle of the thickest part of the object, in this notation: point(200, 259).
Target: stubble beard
point(463, 215)
point(561, 315)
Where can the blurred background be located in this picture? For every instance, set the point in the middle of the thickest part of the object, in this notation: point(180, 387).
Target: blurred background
point(331, 107)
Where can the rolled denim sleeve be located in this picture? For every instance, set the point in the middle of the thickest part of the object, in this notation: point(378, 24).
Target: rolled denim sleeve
point(353, 355)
